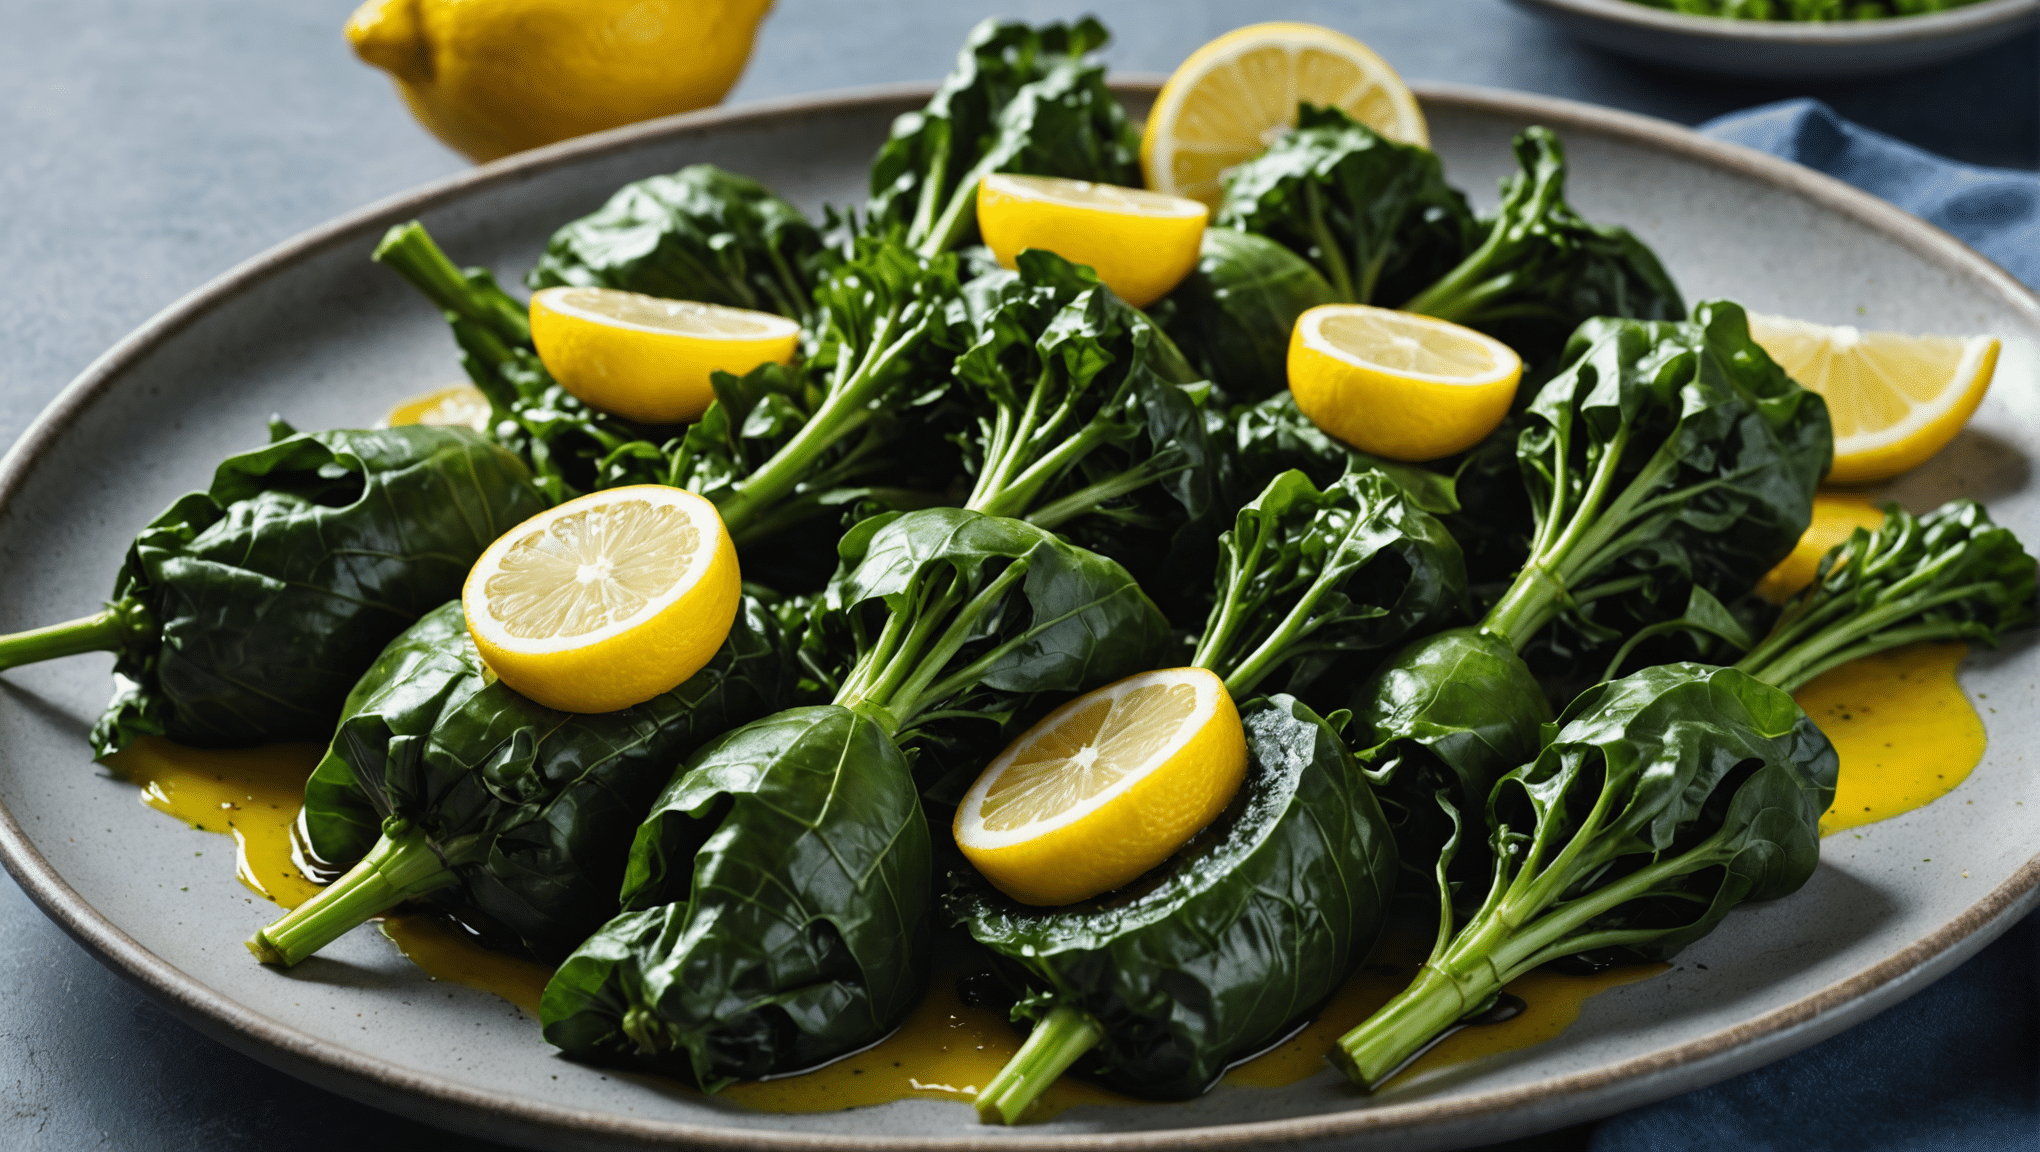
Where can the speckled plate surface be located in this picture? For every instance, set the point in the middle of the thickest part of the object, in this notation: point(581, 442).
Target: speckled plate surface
point(1786, 49)
point(315, 332)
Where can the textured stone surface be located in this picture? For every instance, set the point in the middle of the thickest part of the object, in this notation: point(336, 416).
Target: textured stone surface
point(149, 147)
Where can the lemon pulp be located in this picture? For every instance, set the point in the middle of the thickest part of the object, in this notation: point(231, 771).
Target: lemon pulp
point(1895, 399)
point(605, 601)
point(1105, 787)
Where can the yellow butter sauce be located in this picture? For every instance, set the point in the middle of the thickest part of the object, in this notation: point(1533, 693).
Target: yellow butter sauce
point(1904, 729)
point(251, 793)
point(446, 953)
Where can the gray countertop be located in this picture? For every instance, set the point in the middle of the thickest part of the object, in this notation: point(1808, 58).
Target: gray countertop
point(146, 147)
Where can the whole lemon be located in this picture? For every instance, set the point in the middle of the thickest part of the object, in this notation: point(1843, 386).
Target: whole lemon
point(492, 77)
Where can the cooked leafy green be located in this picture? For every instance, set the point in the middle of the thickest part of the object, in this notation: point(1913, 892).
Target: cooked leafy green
point(777, 898)
point(1020, 99)
point(1542, 270)
point(1811, 10)
point(1233, 313)
point(244, 613)
point(1949, 575)
point(1661, 801)
point(509, 815)
point(1454, 711)
point(1664, 456)
point(1156, 988)
point(699, 234)
point(1307, 576)
point(782, 926)
point(1273, 437)
point(1079, 401)
point(1374, 217)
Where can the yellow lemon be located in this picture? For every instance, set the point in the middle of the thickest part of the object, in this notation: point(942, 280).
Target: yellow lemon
point(492, 77)
point(1397, 384)
point(1105, 787)
point(1140, 243)
point(1895, 399)
point(1835, 516)
point(455, 406)
point(605, 601)
point(1232, 98)
point(647, 358)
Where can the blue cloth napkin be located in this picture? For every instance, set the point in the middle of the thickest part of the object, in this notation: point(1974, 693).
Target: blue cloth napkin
point(1956, 1068)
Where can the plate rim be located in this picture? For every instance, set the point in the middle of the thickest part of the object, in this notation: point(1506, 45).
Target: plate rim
point(1838, 35)
point(448, 1102)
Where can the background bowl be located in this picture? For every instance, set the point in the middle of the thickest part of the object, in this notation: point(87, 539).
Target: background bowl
point(1786, 50)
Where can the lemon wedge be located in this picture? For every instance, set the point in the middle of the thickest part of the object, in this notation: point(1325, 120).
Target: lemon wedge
point(454, 406)
point(1105, 787)
point(1895, 399)
point(646, 358)
point(607, 600)
point(1397, 384)
point(1232, 98)
point(1140, 243)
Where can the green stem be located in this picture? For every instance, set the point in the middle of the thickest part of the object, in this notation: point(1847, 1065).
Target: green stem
point(403, 864)
point(1061, 1037)
point(472, 295)
point(846, 408)
point(106, 631)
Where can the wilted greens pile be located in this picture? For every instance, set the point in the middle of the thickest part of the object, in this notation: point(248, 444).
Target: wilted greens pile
point(978, 493)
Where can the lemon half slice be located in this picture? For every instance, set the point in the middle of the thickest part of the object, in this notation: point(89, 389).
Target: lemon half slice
point(1140, 243)
point(646, 358)
point(605, 601)
point(1895, 399)
point(1232, 98)
point(1105, 787)
point(1397, 384)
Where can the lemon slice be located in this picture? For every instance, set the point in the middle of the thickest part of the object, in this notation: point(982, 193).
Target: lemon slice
point(1895, 399)
point(605, 601)
point(1397, 384)
point(646, 358)
point(1232, 98)
point(454, 406)
point(1140, 243)
point(1105, 787)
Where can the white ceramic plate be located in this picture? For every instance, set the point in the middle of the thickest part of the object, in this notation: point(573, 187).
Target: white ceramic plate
point(312, 330)
point(1787, 49)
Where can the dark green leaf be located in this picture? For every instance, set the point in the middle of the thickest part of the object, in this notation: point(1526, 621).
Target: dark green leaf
point(1374, 217)
point(779, 892)
point(1233, 314)
point(700, 234)
point(1664, 455)
point(531, 807)
point(1231, 942)
point(1308, 576)
point(274, 589)
point(1020, 99)
point(1660, 802)
point(1543, 270)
